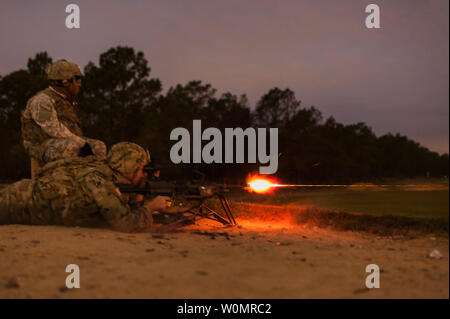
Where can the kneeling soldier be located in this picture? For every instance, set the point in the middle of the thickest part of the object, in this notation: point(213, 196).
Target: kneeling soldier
point(50, 127)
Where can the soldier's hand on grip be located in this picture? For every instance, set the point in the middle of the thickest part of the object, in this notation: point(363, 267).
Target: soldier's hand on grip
point(158, 203)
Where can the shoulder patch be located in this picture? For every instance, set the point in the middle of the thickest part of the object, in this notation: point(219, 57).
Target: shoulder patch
point(41, 107)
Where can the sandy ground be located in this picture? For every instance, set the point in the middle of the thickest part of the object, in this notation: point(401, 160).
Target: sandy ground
point(206, 260)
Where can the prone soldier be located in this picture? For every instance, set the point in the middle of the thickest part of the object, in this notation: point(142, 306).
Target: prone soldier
point(80, 191)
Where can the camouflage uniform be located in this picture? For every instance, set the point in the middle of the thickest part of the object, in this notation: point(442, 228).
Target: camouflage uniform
point(51, 129)
point(79, 192)
point(50, 126)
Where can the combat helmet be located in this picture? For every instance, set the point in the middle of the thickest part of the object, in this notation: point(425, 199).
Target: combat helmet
point(127, 158)
point(63, 70)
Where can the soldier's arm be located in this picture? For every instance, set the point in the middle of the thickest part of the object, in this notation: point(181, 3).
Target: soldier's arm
point(44, 114)
point(114, 208)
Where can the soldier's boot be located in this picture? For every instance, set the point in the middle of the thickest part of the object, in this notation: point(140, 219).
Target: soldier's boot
point(13, 201)
point(4, 207)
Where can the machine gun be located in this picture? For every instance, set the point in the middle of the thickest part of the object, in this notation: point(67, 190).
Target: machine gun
point(195, 192)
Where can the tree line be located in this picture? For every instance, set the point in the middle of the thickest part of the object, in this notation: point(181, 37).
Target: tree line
point(119, 101)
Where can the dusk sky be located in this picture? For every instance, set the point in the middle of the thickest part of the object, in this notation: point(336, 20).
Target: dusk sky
point(395, 79)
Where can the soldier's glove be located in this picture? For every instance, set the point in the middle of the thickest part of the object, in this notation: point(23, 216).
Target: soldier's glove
point(86, 150)
point(175, 209)
point(164, 204)
point(158, 203)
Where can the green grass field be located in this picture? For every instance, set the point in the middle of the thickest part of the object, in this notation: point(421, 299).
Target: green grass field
point(411, 203)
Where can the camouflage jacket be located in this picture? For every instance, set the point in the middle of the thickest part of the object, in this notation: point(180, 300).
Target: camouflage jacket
point(48, 114)
point(75, 192)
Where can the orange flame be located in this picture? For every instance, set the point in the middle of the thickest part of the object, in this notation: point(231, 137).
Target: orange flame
point(261, 185)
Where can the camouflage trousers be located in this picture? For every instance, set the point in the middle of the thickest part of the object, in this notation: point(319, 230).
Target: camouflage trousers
point(57, 148)
point(14, 201)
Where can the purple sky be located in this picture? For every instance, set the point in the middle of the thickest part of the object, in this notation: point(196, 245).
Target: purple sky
point(395, 79)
